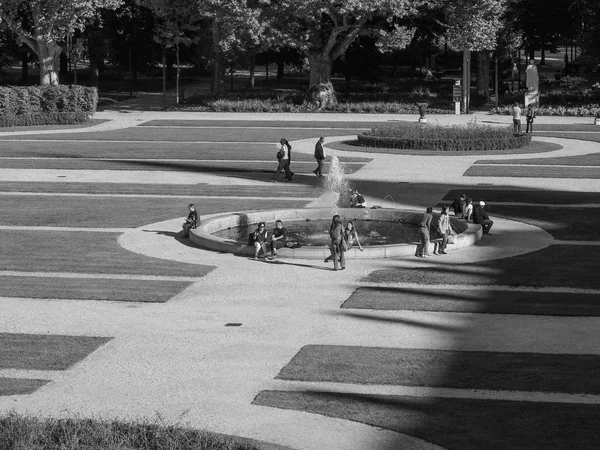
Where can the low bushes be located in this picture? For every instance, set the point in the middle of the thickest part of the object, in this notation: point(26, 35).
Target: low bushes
point(454, 138)
point(45, 105)
point(587, 110)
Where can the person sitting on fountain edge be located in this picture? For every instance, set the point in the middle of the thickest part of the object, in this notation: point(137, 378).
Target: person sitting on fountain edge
point(278, 238)
point(259, 240)
point(357, 200)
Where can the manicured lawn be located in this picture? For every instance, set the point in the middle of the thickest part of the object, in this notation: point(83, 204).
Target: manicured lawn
point(147, 291)
point(524, 196)
point(592, 159)
point(83, 252)
point(315, 124)
point(141, 150)
point(587, 126)
point(268, 136)
point(203, 189)
point(121, 212)
point(562, 223)
point(474, 301)
point(594, 137)
point(45, 352)
point(18, 386)
point(454, 423)
point(556, 265)
point(352, 146)
point(91, 123)
point(446, 368)
point(532, 172)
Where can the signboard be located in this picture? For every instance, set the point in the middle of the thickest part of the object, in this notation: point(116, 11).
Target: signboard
point(457, 93)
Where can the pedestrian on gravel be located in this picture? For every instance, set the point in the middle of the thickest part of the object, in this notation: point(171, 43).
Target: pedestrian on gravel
point(444, 229)
point(481, 217)
point(517, 118)
point(529, 116)
point(336, 233)
point(424, 232)
point(191, 221)
point(319, 156)
point(284, 156)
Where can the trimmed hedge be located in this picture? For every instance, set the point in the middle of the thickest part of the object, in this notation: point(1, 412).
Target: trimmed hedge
point(455, 138)
point(586, 110)
point(46, 105)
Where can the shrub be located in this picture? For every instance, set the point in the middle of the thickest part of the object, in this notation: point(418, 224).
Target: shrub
point(585, 110)
point(471, 137)
point(44, 105)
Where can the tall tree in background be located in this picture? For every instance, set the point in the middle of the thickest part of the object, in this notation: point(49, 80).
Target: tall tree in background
point(44, 24)
point(324, 29)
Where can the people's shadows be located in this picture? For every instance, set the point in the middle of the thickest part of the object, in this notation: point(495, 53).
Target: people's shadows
point(288, 263)
point(175, 235)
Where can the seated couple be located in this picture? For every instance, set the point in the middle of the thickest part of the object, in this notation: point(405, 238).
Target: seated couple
point(261, 239)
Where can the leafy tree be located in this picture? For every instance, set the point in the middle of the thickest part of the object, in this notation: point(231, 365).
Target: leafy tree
point(44, 24)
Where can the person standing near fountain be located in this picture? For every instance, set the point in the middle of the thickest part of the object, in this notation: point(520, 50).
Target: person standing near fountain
point(444, 229)
point(424, 230)
point(336, 233)
point(284, 155)
point(319, 156)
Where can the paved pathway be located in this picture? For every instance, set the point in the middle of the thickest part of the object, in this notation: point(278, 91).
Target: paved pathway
point(180, 361)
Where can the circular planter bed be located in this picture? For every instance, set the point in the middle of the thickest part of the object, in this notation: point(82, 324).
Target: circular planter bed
point(445, 138)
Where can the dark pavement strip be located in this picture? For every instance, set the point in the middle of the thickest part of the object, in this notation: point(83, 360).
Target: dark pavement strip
point(578, 160)
point(140, 150)
point(122, 212)
point(499, 194)
point(482, 301)
point(533, 172)
point(316, 124)
point(84, 252)
point(455, 423)
point(45, 351)
point(19, 386)
point(163, 165)
point(78, 288)
point(197, 190)
point(271, 136)
point(554, 266)
point(446, 368)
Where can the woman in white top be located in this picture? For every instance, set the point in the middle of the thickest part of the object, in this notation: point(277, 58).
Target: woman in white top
point(284, 155)
point(445, 229)
point(468, 212)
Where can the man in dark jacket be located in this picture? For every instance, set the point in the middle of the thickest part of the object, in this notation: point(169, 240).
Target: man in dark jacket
point(191, 220)
point(319, 156)
point(481, 217)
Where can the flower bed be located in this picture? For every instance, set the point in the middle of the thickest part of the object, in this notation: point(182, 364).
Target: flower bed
point(443, 138)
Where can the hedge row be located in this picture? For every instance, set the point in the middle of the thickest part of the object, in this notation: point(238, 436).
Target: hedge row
point(587, 110)
point(37, 105)
point(55, 118)
point(515, 141)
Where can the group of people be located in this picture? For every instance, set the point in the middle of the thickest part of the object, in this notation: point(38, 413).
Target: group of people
point(261, 239)
point(284, 156)
point(529, 117)
point(342, 240)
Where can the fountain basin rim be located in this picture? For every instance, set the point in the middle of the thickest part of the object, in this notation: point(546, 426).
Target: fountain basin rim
point(468, 233)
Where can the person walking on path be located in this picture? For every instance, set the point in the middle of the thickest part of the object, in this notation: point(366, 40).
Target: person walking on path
point(517, 118)
point(336, 233)
point(424, 229)
point(278, 238)
point(481, 217)
point(284, 155)
point(319, 156)
point(529, 116)
point(259, 240)
point(444, 228)
point(191, 221)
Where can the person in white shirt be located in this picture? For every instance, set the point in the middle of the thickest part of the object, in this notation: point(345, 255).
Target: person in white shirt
point(517, 118)
point(284, 155)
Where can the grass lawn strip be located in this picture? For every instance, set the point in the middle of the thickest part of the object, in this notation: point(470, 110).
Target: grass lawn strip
point(592, 159)
point(593, 137)
point(567, 127)
point(556, 265)
point(139, 150)
point(157, 135)
point(535, 147)
point(88, 124)
point(19, 386)
point(524, 196)
point(83, 252)
point(532, 172)
point(164, 165)
point(121, 212)
point(261, 124)
point(475, 301)
point(207, 190)
point(146, 291)
point(540, 372)
point(577, 224)
point(45, 352)
point(22, 432)
point(457, 424)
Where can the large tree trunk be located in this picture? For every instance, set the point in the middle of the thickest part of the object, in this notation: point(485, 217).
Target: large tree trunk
point(483, 74)
point(25, 68)
point(251, 79)
point(48, 54)
point(320, 92)
point(216, 76)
